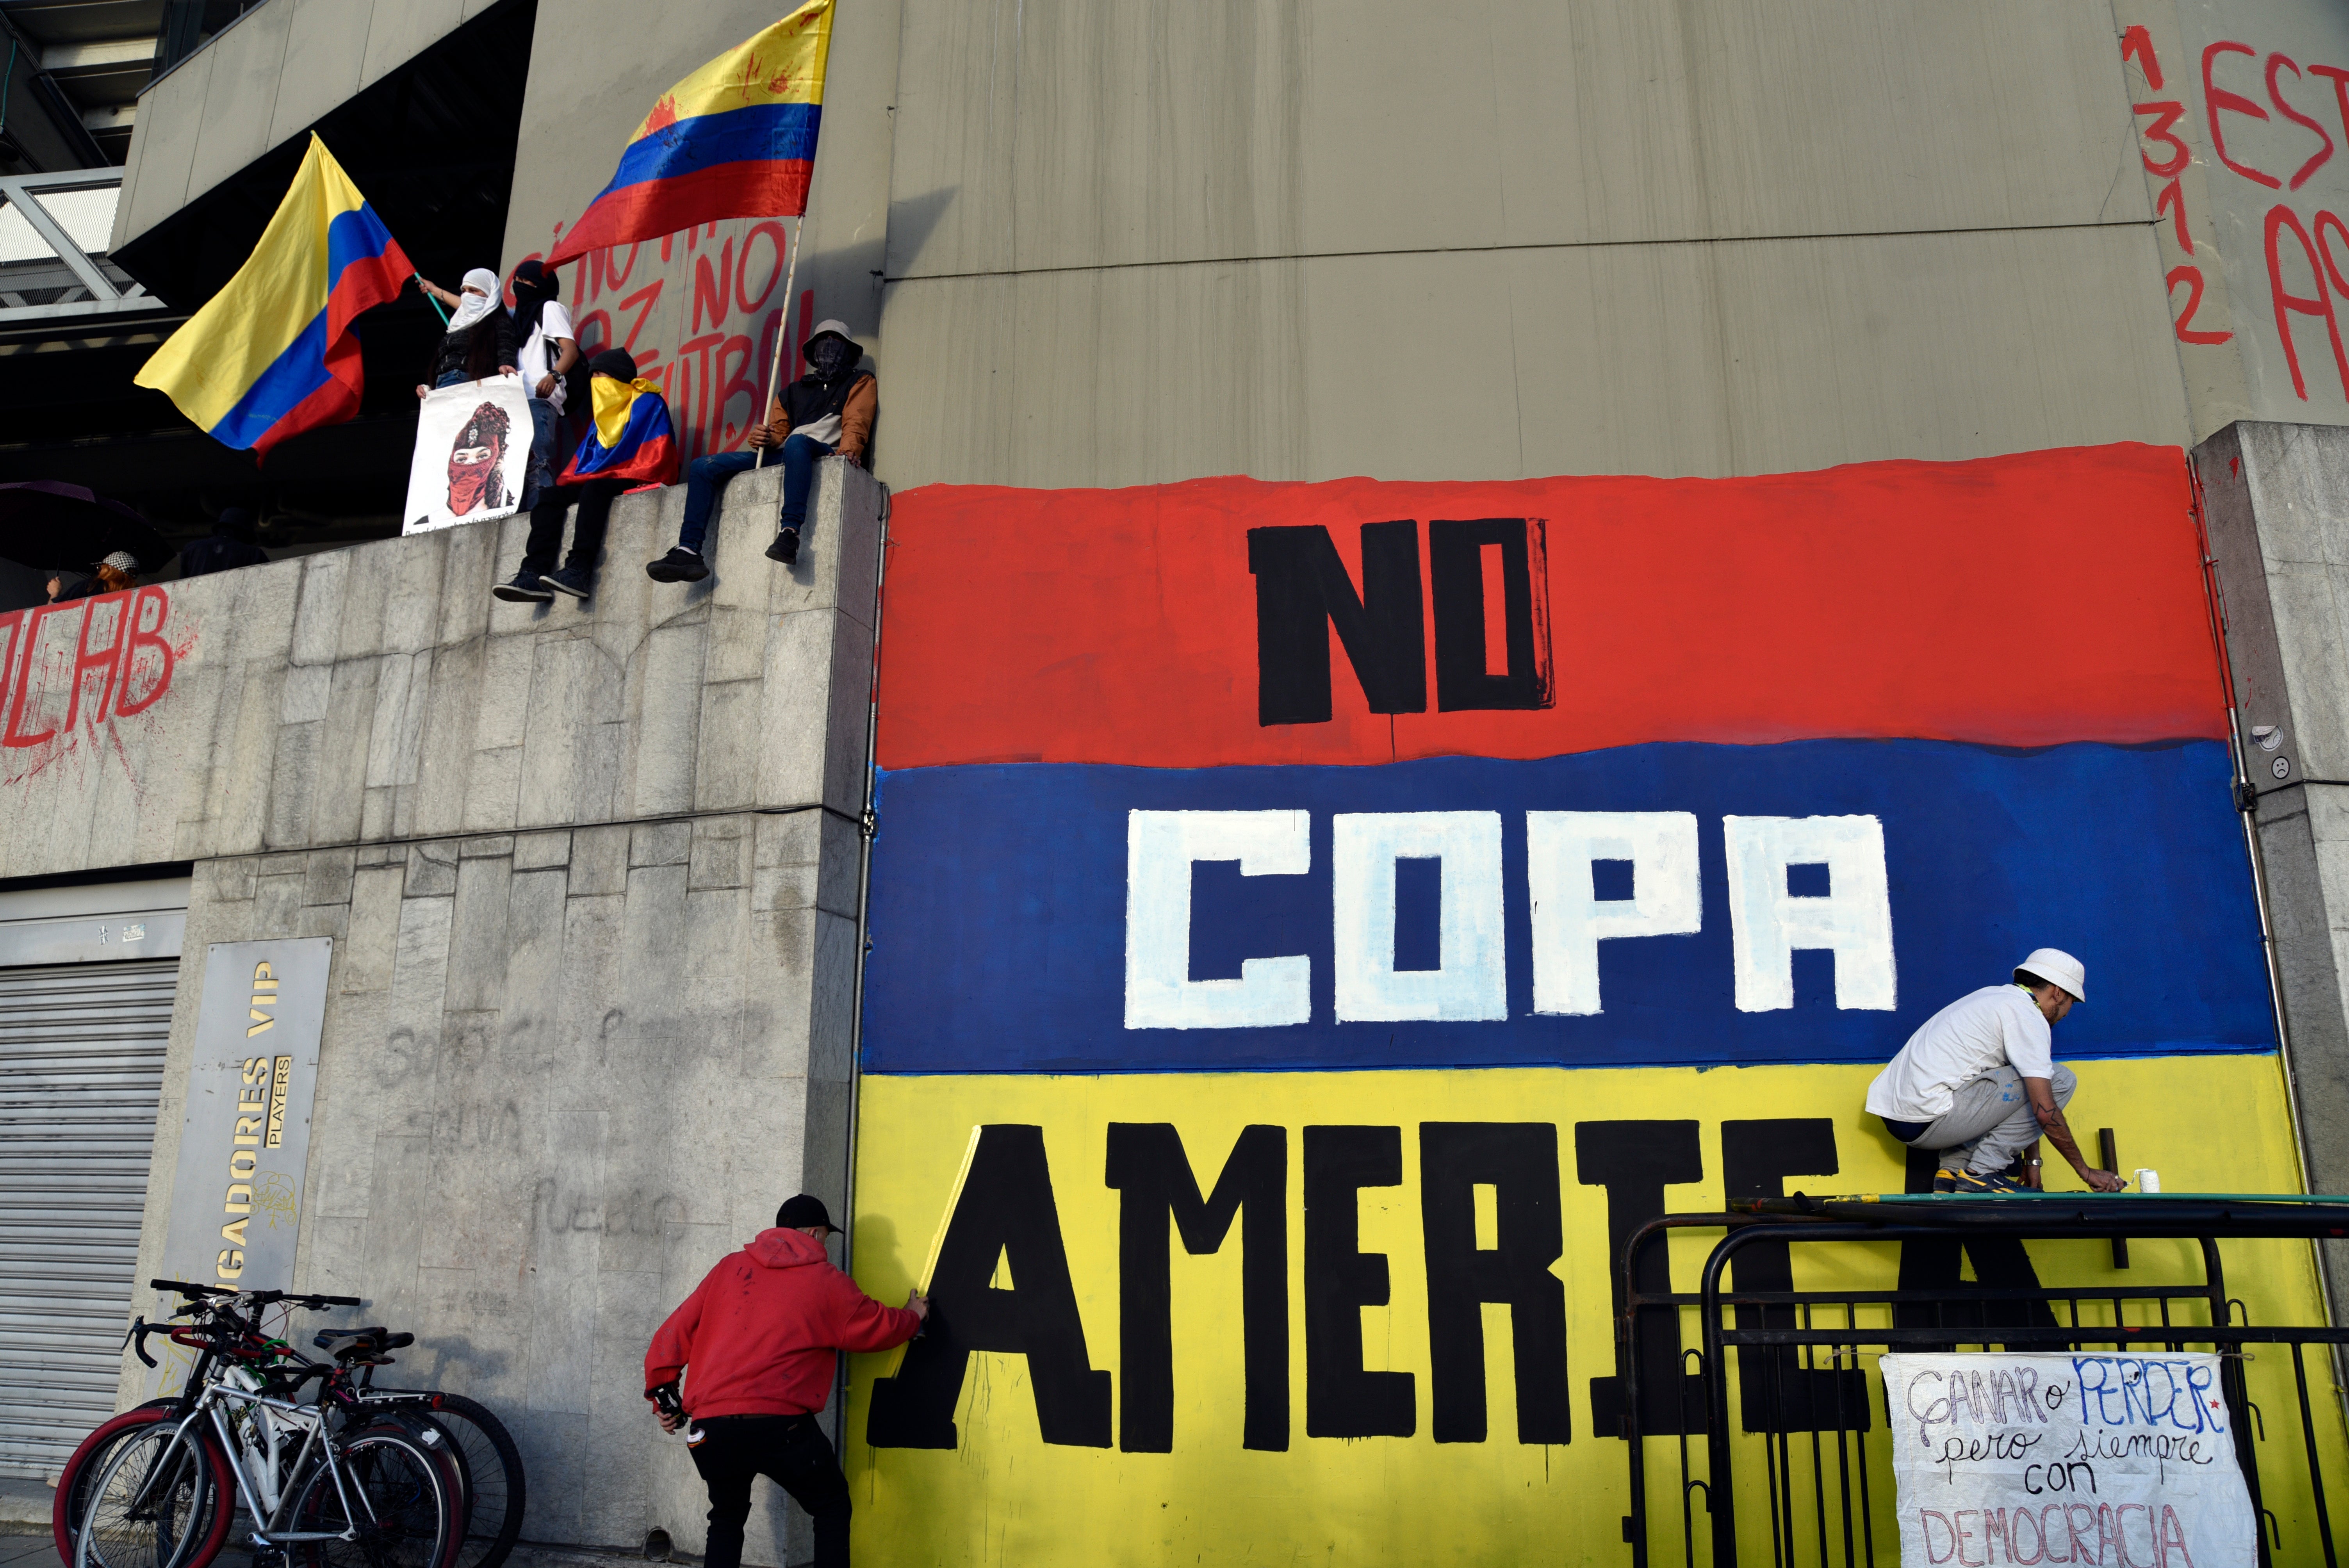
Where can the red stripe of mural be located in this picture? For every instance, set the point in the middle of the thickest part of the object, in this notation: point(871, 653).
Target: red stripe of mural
point(2020, 601)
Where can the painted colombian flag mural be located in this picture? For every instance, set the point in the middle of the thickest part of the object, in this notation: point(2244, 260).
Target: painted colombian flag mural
point(1314, 925)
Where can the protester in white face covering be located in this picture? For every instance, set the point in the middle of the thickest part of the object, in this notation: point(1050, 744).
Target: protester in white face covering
point(479, 343)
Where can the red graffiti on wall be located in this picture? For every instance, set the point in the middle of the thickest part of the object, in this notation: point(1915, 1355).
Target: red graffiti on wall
point(715, 373)
point(72, 673)
point(2260, 137)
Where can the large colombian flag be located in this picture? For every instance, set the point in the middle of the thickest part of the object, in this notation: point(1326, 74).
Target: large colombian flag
point(271, 355)
point(734, 139)
point(632, 438)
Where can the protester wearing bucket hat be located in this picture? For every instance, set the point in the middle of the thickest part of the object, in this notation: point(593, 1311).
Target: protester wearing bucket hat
point(1977, 1082)
point(828, 412)
point(111, 575)
point(755, 1347)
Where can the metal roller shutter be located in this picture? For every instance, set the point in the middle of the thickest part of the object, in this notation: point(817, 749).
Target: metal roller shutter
point(81, 1069)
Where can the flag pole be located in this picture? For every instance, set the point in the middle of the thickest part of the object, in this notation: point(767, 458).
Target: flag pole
point(783, 332)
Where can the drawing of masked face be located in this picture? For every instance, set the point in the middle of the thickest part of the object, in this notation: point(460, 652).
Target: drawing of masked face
point(475, 479)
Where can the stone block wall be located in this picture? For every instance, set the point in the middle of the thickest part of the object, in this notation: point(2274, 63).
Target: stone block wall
point(592, 874)
point(2276, 498)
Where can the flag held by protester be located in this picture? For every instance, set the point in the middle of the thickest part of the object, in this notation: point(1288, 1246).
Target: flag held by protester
point(632, 438)
point(273, 354)
point(734, 139)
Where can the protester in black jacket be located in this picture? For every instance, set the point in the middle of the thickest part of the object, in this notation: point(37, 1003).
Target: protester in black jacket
point(479, 343)
point(230, 546)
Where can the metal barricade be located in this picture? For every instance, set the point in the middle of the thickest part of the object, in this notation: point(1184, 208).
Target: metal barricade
point(1793, 1429)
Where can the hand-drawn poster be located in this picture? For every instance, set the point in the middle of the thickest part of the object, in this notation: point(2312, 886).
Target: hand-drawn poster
point(2068, 1458)
point(472, 454)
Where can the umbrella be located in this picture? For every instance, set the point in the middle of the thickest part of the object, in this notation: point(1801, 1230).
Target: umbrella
point(48, 524)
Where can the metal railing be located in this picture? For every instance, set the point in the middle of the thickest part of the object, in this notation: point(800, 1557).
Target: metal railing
point(1787, 1430)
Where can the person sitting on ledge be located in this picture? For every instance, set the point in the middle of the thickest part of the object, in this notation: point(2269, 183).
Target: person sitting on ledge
point(828, 412)
point(111, 575)
point(229, 546)
point(630, 445)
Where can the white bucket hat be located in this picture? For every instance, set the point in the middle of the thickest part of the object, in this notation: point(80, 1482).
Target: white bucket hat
point(2058, 967)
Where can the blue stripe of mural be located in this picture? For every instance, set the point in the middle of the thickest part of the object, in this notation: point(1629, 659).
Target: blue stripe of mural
point(998, 909)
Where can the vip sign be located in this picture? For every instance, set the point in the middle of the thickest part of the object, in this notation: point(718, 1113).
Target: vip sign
point(244, 1140)
point(1395, 894)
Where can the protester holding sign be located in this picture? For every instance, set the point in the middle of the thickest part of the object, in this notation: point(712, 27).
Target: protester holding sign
point(479, 343)
point(542, 327)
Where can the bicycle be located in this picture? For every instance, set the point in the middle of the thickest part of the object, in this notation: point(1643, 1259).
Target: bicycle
point(371, 1483)
point(487, 1458)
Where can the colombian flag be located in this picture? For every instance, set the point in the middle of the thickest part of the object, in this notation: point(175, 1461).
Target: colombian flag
point(271, 355)
point(632, 438)
point(735, 139)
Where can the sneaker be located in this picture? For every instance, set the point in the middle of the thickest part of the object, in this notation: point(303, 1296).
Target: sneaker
point(786, 548)
point(1968, 1182)
point(680, 565)
point(527, 588)
point(572, 579)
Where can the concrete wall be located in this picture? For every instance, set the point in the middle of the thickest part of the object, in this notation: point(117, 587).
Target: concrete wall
point(592, 872)
point(380, 692)
point(266, 79)
point(2280, 529)
point(1108, 242)
point(1132, 245)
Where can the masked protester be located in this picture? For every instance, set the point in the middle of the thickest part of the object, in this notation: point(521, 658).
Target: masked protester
point(542, 329)
point(636, 462)
point(111, 575)
point(479, 343)
point(230, 545)
point(828, 412)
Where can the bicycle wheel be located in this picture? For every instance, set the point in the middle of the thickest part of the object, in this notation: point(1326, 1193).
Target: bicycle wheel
point(403, 1511)
point(83, 1467)
point(499, 1494)
point(160, 1500)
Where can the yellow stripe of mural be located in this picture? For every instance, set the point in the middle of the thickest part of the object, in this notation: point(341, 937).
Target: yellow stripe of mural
point(1002, 1494)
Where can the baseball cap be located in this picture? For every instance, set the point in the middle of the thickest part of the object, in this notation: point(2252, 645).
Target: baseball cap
point(803, 1210)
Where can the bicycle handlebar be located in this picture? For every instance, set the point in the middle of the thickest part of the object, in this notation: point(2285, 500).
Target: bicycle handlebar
point(310, 1301)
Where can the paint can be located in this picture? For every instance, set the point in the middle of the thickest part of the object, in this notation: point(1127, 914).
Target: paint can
point(2148, 1180)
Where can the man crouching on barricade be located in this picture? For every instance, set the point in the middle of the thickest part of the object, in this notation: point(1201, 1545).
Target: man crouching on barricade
point(758, 1338)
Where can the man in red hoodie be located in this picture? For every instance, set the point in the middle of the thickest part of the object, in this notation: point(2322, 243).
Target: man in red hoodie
point(759, 1335)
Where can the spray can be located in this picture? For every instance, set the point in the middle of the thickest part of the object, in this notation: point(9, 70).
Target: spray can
point(2148, 1180)
point(666, 1400)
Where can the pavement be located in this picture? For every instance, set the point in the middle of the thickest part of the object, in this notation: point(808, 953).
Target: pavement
point(20, 1548)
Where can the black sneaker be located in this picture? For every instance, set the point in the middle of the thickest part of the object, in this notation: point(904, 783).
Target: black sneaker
point(572, 579)
point(527, 588)
point(786, 548)
point(680, 565)
point(1968, 1182)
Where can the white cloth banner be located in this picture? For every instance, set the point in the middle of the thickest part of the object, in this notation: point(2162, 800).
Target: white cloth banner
point(2108, 1461)
point(472, 454)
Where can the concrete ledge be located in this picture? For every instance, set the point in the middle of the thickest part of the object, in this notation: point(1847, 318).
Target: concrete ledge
point(382, 693)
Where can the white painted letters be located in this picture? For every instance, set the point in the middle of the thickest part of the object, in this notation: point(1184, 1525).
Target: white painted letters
point(1161, 847)
point(1570, 921)
point(1472, 980)
point(1767, 923)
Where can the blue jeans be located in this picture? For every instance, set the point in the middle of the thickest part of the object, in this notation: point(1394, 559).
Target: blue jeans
point(540, 475)
point(450, 378)
point(705, 481)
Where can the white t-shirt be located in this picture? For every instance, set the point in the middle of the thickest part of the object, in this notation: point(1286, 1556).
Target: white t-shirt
point(1998, 1025)
point(538, 354)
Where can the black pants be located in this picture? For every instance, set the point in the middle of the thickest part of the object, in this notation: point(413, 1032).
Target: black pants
point(791, 1451)
point(594, 499)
